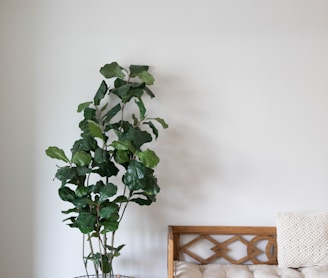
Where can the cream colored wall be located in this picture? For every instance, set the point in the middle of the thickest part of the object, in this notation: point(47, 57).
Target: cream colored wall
point(243, 85)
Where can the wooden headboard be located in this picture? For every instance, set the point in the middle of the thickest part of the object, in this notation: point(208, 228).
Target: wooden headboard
point(259, 243)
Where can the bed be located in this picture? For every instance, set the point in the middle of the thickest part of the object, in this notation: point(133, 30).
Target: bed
point(232, 252)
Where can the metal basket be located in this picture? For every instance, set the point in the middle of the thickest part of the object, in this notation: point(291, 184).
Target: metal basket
point(101, 276)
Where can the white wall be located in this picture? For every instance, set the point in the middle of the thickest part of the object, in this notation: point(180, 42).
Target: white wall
point(18, 102)
point(243, 85)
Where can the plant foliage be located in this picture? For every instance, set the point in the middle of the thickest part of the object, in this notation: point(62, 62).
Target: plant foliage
point(111, 147)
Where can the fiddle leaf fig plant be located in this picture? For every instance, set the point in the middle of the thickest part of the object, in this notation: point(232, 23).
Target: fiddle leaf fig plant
point(110, 165)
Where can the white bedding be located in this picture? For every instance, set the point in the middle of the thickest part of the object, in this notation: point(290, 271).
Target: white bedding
point(190, 270)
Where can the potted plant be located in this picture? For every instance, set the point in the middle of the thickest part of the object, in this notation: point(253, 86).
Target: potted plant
point(109, 166)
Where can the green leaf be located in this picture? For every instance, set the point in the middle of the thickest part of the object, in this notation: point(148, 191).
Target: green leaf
point(112, 70)
point(81, 191)
point(122, 157)
point(77, 179)
point(129, 90)
point(69, 211)
point(104, 107)
point(137, 137)
point(135, 120)
point(120, 247)
point(153, 128)
point(101, 156)
point(81, 158)
point(95, 130)
point(83, 202)
point(112, 113)
point(100, 93)
point(56, 153)
point(135, 92)
point(65, 174)
point(162, 122)
point(148, 183)
point(86, 222)
point(148, 158)
point(149, 92)
point(114, 251)
point(107, 169)
point(108, 210)
point(119, 83)
point(83, 170)
point(145, 198)
point(72, 219)
point(89, 113)
point(82, 106)
point(95, 188)
point(142, 108)
point(107, 191)
point(66, 194)
point(106, 267)
point(109, 226)
point(95, 258)
point(137, 69)
point(123, 145)
point(146, 77)
point(142, 202)
point(135, 173)
point(87, 143)
point(150, 186)
point(121, 91)
point(121, 199)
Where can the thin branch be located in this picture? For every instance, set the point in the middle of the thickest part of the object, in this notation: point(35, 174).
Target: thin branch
point(85, 260)
point(93, 255)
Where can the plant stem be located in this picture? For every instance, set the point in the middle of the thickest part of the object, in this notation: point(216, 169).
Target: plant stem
point(93, 255)
point(124, 208)
point(85, 261)
point(112, 257)
point(105, 245)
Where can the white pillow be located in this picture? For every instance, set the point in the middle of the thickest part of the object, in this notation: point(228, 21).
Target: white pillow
point(302, 239)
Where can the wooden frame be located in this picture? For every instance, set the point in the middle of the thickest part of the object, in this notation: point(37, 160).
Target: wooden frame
point(250, 236)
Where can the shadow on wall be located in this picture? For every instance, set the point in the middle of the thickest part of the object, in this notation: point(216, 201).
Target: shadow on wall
point(187, 165)
point(186, 152)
